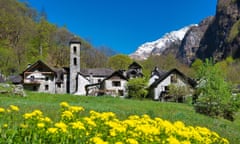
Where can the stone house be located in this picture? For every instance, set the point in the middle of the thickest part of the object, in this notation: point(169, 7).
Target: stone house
point(116, 83)
point(160, 81)
point(42, 78)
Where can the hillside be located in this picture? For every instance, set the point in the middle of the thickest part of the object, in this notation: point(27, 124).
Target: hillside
point(49, 104)
point(27, 36)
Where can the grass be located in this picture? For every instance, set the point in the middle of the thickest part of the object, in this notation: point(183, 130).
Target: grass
point(49, 104)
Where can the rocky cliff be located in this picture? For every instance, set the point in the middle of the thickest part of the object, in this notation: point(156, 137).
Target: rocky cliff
point(190, 43)
point(222, 37)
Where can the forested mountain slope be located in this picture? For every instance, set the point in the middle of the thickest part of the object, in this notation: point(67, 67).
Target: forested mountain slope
point(26, 36)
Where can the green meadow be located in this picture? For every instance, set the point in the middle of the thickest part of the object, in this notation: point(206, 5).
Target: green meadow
point(49, 105)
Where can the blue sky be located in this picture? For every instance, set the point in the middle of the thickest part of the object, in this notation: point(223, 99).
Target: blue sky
point(123, 25)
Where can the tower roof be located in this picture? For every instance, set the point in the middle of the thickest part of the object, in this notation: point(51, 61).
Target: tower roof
point(75, 40)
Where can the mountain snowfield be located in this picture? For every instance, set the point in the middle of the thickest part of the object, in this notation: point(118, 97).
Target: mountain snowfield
point(150, 48)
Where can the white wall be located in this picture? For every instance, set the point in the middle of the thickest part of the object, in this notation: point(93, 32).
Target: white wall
point(43, 83)
point(166, 82)
point(109, 86)
point(152, 79)
point(94, 79)
point(82, 82)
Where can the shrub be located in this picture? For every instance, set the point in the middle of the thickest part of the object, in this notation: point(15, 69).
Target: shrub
point(137, 88)
point(179, 93)
point(214, 97)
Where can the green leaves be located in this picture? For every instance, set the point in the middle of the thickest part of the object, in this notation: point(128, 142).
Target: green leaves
point(119, 61)
point(214, 93)
point(137, 88)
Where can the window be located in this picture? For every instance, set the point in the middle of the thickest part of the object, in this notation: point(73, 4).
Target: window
point(116, 83)
point(59, 85)
point(74, 49)
point(32, 78)
point(46, 78)
point(166, 88)
point(46, 87)
point(174, 79)
point(99, 80)
point(75, 61)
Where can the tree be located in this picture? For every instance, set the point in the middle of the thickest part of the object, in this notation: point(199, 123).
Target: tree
point(137, 88)
point(178, 92)
point(164, 62)
point(119, 61)
point(214, 96)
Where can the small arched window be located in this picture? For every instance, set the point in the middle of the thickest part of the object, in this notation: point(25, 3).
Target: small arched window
point(74, 49)
point(75, 61)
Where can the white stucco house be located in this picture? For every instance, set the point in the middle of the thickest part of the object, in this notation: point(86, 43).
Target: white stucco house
point(92, 76)
point(159, 83)
point(42, 78)
point(115, 84)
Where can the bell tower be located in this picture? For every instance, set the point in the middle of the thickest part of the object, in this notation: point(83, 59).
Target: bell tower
point(75, 45)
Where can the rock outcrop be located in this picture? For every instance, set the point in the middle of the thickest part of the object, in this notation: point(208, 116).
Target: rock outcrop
point(222, 38)
point(190, 43)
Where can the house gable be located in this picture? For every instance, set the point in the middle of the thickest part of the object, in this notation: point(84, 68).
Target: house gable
point(42, 78)
point(174, 76)
point(134, 65)
point(117, 75)
point(39, 66)
point(177, 73)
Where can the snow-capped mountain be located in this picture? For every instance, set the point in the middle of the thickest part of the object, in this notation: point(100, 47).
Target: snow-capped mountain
point(159, 46)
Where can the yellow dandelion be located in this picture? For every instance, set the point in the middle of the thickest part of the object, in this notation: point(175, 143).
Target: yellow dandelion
point(113, 133)
point(14, 108)
point(40, 125)
point(90, 121)
point(64, 104)
point(37, 113)
point(77, 125)
point(98, 140)
point(47, 119)
point(28, 115)
point(172, 140)
point(67, 114)
point(76, 109)
point(62, 126)
point(2, 110)
point(52, 130)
